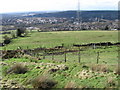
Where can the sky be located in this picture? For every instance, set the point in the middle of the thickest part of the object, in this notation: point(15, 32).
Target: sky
point(56, 5)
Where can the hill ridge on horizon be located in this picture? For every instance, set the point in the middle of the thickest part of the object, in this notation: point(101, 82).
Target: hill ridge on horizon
point(109, 15)
point(50, 11)
point(86, 15)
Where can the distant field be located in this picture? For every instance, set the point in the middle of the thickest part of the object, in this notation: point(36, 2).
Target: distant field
point(52, 39)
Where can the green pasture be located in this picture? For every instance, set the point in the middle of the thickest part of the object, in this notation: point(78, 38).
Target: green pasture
point(52, 39)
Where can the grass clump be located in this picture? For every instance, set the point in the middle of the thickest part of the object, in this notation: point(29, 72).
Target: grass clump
point(42, 82)
point(117, 71)
point(111, 82)
point(18, 68)
point(70, 86)
point(100, 68)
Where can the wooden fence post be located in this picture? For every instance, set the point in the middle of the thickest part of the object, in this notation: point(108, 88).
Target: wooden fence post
point(98, 57)
point(94, 46)
point(79, 58)
point(44, 54)
point(65, 55)
point(52, 55)
point(31, 52)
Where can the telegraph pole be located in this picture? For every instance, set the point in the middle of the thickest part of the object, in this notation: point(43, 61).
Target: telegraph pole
point(78, 15)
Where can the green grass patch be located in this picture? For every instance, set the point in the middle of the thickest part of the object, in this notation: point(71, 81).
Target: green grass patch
point(52, 39)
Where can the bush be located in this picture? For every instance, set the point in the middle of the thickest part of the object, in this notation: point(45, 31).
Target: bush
point(13, 34)
point(26, 33)
point(18, 69)
point(20, 31)
point(7, 40)
point(42, 82)
point(106, 27)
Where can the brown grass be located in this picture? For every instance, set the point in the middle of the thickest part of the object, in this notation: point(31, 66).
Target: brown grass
point(70, 86)
point(42, 82)
point(18, 68)
point(100, 68)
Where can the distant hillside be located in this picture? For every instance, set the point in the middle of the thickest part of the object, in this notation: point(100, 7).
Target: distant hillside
point(86, 15)
point(109, 15)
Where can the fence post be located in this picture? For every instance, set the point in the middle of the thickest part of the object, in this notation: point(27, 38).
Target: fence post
point(31, 52)
point(44, 54)
point(65, 55)
point(98, 57)
point(52, 55)
point(79, 56)
point(94, 46)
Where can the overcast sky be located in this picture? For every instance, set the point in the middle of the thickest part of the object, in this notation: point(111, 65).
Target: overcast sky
point(48, 5)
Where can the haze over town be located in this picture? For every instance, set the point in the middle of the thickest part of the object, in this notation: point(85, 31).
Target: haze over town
point(56, 5)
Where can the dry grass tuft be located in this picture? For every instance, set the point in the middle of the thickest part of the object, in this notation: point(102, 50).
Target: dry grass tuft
point(70, 86)
point(18, 68)
point(42, 82)
point(100, 68)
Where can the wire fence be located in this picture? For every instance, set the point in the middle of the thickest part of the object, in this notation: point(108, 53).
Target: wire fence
point(79, 55)
point(86, 57)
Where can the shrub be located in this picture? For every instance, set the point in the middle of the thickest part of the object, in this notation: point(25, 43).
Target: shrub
point(13, 34)
point(7, 40)
point(100, 68)
point(42, 82)
point(20, 31)
point(70, 85)
point(26, 33)
point(106, 27)
point(18, 69)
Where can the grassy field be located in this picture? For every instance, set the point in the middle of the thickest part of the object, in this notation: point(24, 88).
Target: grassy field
point(86, 74)
point(94, 79)
point(52, 39)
